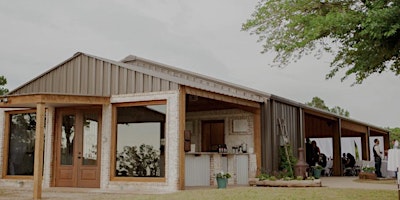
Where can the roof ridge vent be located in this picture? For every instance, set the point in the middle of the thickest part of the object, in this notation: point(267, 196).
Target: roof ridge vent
point(129, 58)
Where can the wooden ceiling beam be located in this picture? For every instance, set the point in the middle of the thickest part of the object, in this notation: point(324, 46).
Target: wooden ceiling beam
point(52, 99)
point(221, 97)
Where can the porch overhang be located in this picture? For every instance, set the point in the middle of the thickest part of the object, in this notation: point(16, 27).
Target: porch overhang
point(57, 100)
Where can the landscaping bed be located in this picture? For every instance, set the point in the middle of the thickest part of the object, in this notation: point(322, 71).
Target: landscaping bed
point(286, 183)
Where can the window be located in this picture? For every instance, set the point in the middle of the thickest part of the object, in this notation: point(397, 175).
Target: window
point(140, 140)
point(21, 143)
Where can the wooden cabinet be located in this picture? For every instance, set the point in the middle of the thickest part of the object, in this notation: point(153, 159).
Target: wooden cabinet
point(212, 135)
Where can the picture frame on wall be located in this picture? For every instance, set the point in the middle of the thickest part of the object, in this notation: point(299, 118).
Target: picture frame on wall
point(240, 126)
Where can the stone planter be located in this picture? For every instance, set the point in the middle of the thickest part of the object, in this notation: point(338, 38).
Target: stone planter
point(367, 175)
point(283, 183)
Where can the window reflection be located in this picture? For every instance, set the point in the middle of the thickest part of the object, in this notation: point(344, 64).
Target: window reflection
point(21, 144)
point(140, 141)
point(67, 139)
point(90, 127)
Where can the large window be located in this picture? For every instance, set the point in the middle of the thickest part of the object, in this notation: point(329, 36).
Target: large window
point(140, 140)
point(21, 143)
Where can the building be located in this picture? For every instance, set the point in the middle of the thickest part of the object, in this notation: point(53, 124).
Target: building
point(139, 125)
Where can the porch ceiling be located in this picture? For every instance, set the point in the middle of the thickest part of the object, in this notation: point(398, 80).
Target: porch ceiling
point(196, 104)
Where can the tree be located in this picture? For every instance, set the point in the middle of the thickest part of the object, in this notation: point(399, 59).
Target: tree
point(366, 34)
point(340, 111)
point(319, 103)
point(394, 134)
point(3, 82)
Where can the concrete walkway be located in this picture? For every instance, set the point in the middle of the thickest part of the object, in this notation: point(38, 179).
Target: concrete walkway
point(349, 182)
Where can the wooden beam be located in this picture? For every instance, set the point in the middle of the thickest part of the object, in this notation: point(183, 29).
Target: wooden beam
point(320, 114)
point(181, 141)
point(257, 138)
point(39, 142)
point(354, 127)
point(377, 132)
point(221, 97)
point(54, 98)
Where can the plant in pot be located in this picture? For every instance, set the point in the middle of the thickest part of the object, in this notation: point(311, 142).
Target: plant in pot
point(317, 169)
point(367, 172)
point(222, 179)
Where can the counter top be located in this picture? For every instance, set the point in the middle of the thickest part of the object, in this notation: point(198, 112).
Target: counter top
point(214, 153)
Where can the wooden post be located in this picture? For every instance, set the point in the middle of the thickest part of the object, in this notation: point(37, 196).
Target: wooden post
point(39, 142)
point(257, 139)
point(182, 120)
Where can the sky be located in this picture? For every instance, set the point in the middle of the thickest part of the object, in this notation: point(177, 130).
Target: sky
point(200, 36)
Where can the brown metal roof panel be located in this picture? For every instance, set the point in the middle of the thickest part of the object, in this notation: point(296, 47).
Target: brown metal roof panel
point(195, 80)
point(82, 79)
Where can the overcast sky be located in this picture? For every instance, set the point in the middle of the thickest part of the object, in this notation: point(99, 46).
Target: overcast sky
point(200, 36)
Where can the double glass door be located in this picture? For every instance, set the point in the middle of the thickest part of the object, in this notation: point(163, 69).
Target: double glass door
point(78, 148)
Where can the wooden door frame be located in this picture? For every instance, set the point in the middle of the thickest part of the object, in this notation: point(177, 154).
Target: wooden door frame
point(56, 145)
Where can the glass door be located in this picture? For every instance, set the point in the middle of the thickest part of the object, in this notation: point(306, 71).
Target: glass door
point(77, 152)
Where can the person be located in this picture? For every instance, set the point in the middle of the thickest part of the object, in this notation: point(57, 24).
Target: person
point(351, 161)
point(349, 165)
point(344, 159)
point(395, 144)
point(308, 151)
point(378, 156)
point(322, 160)
point(314, 153)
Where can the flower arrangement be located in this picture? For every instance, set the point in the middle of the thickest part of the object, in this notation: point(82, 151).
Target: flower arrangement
point(368, 169)
point(223, 175)
point(317, 167)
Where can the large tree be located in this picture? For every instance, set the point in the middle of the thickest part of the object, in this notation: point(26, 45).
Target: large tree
point(319, 103)
point(364, 35)
point(3, 82)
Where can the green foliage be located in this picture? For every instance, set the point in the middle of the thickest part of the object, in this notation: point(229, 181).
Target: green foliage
point(366, 34)
point(3, 82)
point(394, 134)
point(272, 178)
point(223, 175)
point(287, 178)
point(340, 111)
point(368, 169)
point(262, 177)
point(319, 103)
point(142, 161)
point(287, 165)
point(318, 167)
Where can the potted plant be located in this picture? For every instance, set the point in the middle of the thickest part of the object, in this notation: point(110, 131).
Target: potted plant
point(222, 179)
point(367, 172)
point(317, 169)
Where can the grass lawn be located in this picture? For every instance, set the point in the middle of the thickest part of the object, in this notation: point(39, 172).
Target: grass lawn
point(242, 193)
point(234, 193)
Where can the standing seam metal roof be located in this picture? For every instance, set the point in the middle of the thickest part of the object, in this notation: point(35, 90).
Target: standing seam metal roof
point(172, 74)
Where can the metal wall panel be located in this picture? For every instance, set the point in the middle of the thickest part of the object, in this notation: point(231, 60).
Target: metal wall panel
point(85, 75)
point(197, 170)
point(242, 163)
point(271, 141)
